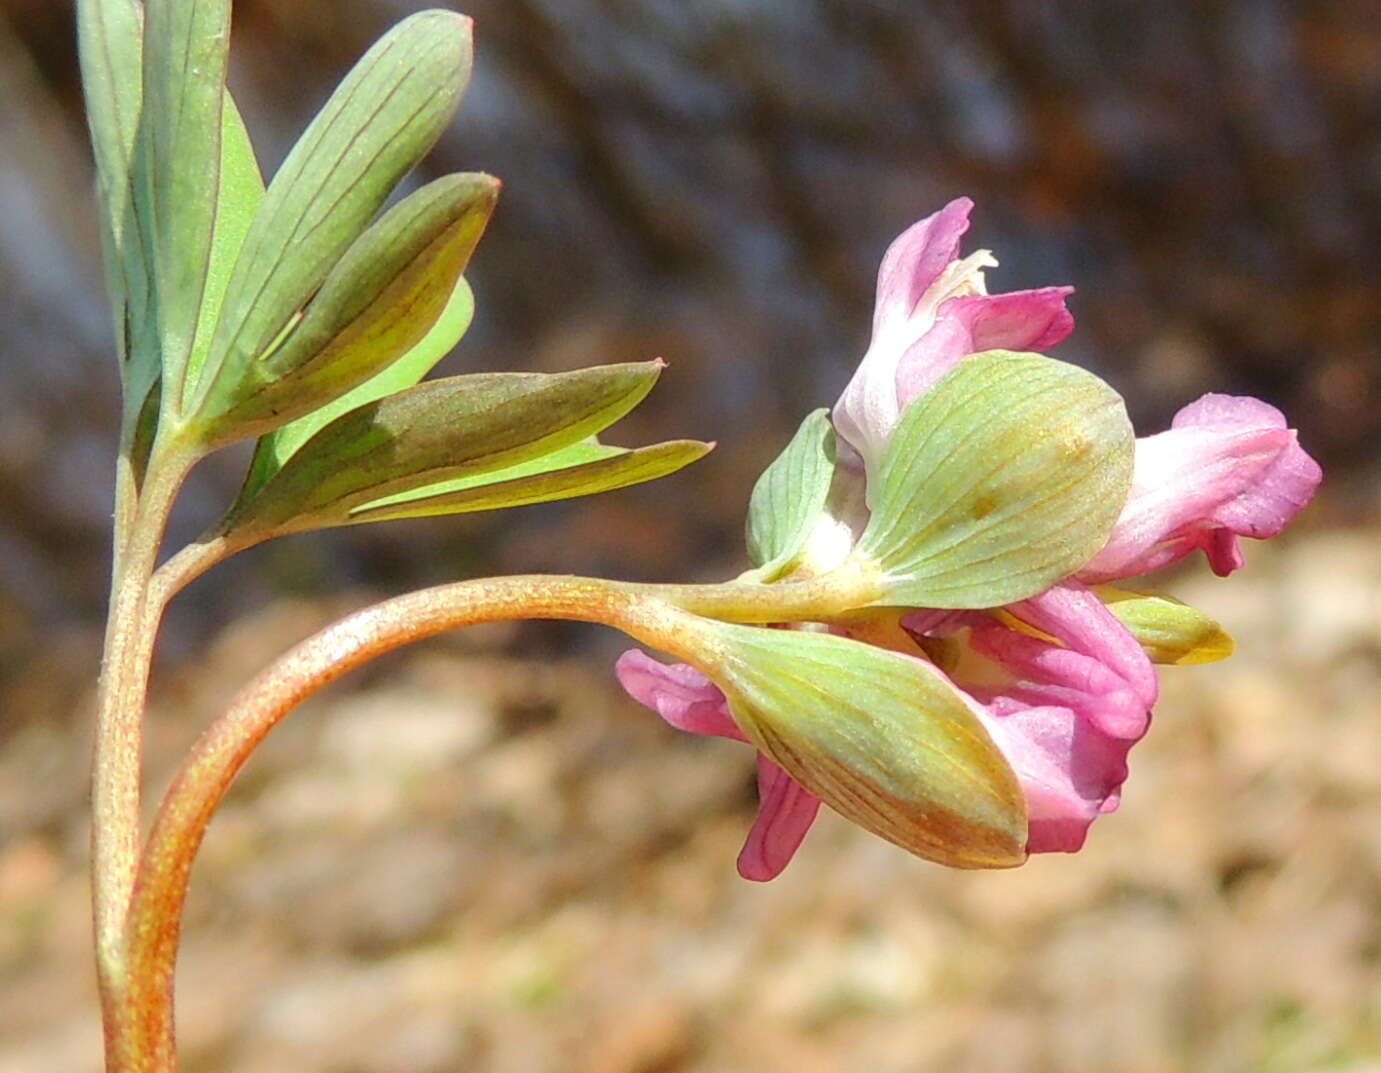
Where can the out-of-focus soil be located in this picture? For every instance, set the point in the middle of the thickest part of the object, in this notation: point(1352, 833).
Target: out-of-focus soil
point(472, 861)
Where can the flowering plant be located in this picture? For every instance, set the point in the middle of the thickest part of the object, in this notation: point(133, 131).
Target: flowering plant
point(1061, 681)
point(949, 666)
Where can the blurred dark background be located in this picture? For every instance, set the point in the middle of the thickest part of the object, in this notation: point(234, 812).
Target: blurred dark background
point(714, 181)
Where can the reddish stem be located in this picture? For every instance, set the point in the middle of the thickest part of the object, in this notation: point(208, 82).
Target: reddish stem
point(154, 920)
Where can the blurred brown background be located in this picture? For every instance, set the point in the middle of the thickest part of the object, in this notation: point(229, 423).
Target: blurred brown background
point(483, 857)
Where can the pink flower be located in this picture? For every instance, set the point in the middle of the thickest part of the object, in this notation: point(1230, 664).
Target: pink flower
point(1063, 688)
point(932, 310)
point(1228, 467)
point(689, 701)
point(1065, 712)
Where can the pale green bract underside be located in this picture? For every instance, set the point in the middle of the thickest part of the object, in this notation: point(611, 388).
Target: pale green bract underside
point(790, 495)
point(881, 737)
point(1002, 479)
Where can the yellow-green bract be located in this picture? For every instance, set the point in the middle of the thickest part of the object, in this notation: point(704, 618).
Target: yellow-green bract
point(881, 737)
point(1002, 479)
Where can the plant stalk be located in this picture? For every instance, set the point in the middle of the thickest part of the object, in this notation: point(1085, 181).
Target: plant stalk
point(141, 517)
point(654, 614)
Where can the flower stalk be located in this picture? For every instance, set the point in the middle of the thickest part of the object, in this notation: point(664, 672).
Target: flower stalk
point(662, 616)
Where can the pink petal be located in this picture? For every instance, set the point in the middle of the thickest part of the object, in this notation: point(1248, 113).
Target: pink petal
point(1045, 674)
point(1286, 486)
point(1227, 467)
point(679, 693)
point(1077, 618)
point(786, 809)
point(1064, 714)
point(689, 701)
point(1021, 320)
point(929, 622)
point(868, 409)
point(1069, 772)
point(915, 260)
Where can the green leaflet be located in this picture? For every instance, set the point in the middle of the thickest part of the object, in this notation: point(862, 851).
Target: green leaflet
point(110, 41)
point(177, 159)
point(376, 304)
point(1005, 477)
point(241, 191)
point(1171, 632)
point(881, 737)
point(382, 119)
point(790, 495)
point(437, 431)
point(274, 449)
point(579, 470)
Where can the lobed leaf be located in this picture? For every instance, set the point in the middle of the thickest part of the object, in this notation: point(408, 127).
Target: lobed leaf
point(1005, 477)
point(377, 303)
point(437, 431)
point(791, 494)
point(239, 192)
point(382, 119)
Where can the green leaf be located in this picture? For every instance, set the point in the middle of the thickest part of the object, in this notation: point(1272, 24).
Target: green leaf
point(1005, 477)
point(579, 470)
point(1169, 631)
point(177, 160)
point(437, 431)
point(790, 495)
point(110, 40)
point(111, 44)
point(881, 737)
point(273, 450)
point(382, 119)
point(376, 304)
point(241, 191)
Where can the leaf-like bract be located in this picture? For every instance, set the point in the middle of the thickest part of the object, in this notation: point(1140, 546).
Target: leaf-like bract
point(882, 738)
point(1003, 478)
point(385, 115)
point(790, 495)
point(437, 431)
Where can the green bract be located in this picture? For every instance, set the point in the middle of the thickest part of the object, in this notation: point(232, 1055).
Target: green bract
point(579, 470)
point(175, 174)
point(375, 305)
point(390, 457)
point(1003, 478)
point(1169, 631)
point(790, 495)
point(880, 737)
point(278, 446)
point(305, 315)
point(382, 119)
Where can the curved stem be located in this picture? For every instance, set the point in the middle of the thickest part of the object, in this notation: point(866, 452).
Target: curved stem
point(160, 890)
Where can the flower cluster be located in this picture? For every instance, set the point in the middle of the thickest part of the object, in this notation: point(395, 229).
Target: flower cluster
point(1063, 682)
